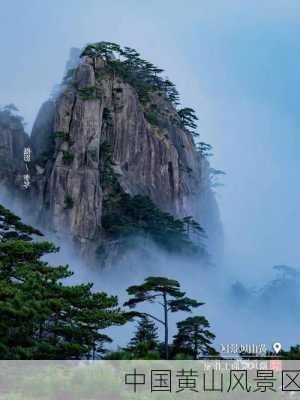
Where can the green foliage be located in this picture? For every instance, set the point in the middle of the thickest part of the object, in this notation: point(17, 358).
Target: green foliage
point(125, 216)
point(9, 115)
point(182, 356)
point(171, 92)
point(145, 341)
point(127, 355)
point(146, 331)
point(138, 215)
point(191, 226)
point(109, 179)
point(204, 149)
point(118, 355)
point(127, 63)
point(11, 227)
point(152, 117)
point(61, 135)
point(156, 286)
point(87, 93)
point(188, 119)
point(102, 49)
point(100, 74)
point(292, 354)
point(193, 337)
point(67, 157)
point(164, 292)
point(69, 202)
point(42, 318)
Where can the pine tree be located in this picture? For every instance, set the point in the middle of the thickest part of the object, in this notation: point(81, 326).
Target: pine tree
point(164, 292)
point(188, 117)
point(204, 149)
point(193, 337)
point(127, 63)
point(42, 318)
point(192, 226)
point(145, 339)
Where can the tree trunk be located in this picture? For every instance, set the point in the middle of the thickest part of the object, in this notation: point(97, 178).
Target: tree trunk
point(166, 327)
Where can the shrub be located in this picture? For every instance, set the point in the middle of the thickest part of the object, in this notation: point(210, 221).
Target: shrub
point(61, 135)
point(69, 202)
point(152, 117)
point(87, 93)
point(67, 157)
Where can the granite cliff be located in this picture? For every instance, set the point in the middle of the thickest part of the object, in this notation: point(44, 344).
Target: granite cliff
point(112, 139)
point(13, 139)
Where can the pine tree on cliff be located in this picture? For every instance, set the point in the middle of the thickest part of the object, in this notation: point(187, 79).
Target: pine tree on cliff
point(127, 63)
point(8, 113)
point(164, 292)
point(188, 119)
point(192, 226)
point(145, 339)
point(194, 338)
point(42, 318)
point(204, 149)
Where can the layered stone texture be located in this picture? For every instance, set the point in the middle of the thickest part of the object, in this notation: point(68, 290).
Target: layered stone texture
point(156, 157)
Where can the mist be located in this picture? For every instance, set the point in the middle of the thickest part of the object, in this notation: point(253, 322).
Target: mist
point(261, 314)
point(237, 66)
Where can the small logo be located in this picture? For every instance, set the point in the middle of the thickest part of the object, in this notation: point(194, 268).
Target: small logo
point(277, 347)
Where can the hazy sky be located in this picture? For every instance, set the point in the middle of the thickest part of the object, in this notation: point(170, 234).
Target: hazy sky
point(236, 62)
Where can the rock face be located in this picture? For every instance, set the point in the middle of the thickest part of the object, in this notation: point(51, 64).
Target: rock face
point(153, 155)
point(42, 131)
point(13, 139)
